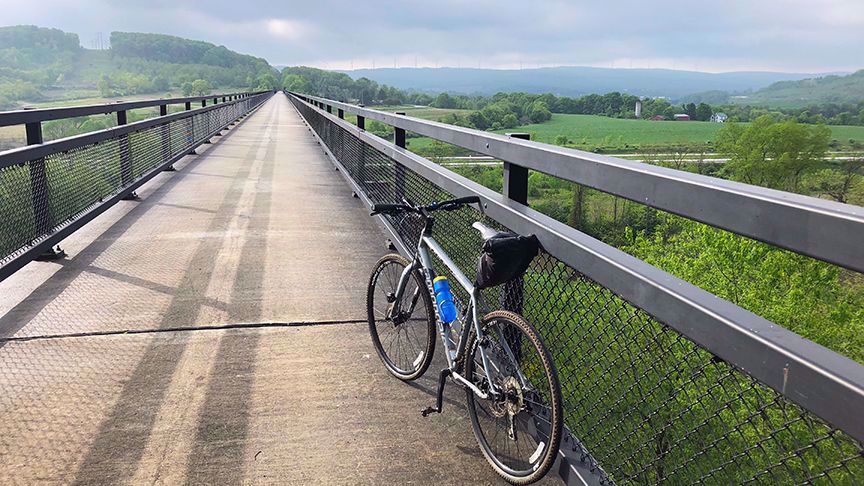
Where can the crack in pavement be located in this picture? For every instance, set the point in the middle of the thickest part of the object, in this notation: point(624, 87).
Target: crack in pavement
point(214, 327)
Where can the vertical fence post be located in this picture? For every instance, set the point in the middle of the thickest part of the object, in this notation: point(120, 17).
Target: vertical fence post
point(361, 164)
point(329, 108)
point(43, 219)
point(399, 141)
point(203, 104)
point(340, 113)
point(190, 138)
point(126, 174)
point(515, 188)
point(516, 177)
point(166, 139)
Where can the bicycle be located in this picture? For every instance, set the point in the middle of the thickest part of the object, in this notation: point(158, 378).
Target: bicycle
point(512, 389)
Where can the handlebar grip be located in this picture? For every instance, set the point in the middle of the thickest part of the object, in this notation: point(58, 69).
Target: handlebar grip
point(385, 208)
point(466, 200)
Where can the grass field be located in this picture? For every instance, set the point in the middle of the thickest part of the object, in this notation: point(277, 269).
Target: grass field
point(600, 133)
point(425, 112)
point(605, 131)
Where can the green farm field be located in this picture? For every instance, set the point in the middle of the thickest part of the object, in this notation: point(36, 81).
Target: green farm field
point(604, 131)
point(592, 132)
point(425, 112)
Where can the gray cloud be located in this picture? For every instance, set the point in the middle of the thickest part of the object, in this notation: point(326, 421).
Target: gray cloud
point(788, 35)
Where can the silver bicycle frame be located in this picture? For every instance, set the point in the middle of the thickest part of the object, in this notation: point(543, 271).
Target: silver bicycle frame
point(426, 244)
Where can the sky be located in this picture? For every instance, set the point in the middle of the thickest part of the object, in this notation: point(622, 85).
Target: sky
point(808, 36)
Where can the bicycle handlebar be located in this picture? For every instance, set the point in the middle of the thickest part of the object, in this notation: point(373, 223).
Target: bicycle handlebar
point(449, 205)
point(388, 208)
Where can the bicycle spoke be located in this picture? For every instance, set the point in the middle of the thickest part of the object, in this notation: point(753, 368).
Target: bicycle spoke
point(405, 337)
point(515, 427)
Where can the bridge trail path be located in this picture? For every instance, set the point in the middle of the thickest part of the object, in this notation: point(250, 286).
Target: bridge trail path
point(211, 333)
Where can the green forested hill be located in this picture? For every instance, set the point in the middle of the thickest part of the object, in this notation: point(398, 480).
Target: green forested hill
point(35, 62)
point(825, 90)
point(176, 50)
point(32, 57)
point(828, 89)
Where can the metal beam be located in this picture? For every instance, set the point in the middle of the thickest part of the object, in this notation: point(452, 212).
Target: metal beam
point(21, 117)
point(25, 154)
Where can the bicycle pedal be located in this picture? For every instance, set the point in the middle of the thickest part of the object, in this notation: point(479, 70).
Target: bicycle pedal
point(429, 410)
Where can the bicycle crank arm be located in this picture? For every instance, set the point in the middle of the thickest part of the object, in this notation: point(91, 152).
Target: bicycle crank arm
point(480, 393)
point(439, 401)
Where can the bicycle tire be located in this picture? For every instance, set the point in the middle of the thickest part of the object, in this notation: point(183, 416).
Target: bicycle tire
point(405, 360)
point(545, 417)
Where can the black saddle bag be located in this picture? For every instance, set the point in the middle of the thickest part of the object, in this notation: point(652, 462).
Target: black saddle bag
point(505, 257)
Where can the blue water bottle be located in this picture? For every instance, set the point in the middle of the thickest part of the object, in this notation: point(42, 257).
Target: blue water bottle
point(444, 299)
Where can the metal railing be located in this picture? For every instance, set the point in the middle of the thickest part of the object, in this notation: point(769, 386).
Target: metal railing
point(663, 382)
point(38, 115)
point(50, 189)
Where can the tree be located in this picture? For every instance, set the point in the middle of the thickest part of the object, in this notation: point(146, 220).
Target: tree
point(773, 154)
point(295, 83)
point(576, 218)
point(703, 112)
point(509, 121)
point(797, 292)
point(478, 120)
point(186, 88)
point(201, 87)
point(161, 83)
point(444, 100)
point(690, 109)
point(539, 112)
point(837, 183)
point(104, 86)
point(267, 81)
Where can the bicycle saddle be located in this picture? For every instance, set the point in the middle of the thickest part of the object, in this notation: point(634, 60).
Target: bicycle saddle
point(485, 231)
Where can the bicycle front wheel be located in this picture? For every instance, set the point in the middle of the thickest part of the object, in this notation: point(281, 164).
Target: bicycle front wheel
point(403, 339)
point(518, 428)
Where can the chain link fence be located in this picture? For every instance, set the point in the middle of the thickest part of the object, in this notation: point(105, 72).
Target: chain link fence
point(644, 404)
point(42, 196)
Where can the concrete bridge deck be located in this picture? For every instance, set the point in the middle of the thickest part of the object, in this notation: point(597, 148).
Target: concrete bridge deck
point(213, 333)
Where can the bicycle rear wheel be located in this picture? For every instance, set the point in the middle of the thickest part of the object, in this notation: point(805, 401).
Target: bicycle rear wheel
point(404, 342)
point(518, 431)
